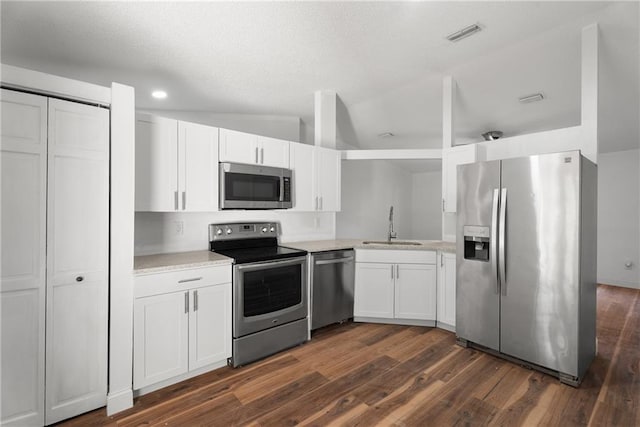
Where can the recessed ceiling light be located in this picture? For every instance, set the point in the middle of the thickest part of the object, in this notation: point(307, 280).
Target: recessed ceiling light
point(385, 135)
point(159, 94)
point(464, 33)
point(531, 98)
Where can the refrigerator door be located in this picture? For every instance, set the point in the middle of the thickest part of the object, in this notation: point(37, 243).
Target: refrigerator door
point(478, 297)
point(540, 287)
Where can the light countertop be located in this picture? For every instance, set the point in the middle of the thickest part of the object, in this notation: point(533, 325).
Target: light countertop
point(331, 245)
point(178, 260)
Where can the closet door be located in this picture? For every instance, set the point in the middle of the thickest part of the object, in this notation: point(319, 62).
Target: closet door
point(77, 259)
point(23, 158)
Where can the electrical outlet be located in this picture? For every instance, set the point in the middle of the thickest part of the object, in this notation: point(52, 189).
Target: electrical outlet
point(179, 227)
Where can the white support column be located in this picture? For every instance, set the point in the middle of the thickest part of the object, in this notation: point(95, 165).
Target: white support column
point(325, 118)
point(448, 98)
point(589, 91)
point(120, 395)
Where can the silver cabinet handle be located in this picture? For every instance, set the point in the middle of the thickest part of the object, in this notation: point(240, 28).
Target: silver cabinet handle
point(175, 199)
point(501, 235)
point(397, 271)
point(186, 302)
point(494, 239)
point(262, 156)
point(317, 203)
point(194, 279)
point(321, 202)
point(184, 200)
point(442, 205)
point(256, 154)
point(392, 271)
point(195, 300)
point(441, 259)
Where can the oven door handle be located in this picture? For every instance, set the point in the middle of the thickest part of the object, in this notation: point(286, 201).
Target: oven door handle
point(262, 265)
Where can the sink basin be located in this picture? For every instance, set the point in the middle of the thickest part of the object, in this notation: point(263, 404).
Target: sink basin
point(393, 242)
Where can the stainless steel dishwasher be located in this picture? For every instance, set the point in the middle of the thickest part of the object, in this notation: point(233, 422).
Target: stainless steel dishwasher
point(332, 284)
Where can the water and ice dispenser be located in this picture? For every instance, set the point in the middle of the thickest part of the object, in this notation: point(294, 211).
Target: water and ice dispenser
point(476, 242)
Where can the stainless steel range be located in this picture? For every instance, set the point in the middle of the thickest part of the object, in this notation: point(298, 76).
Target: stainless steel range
point(269, 289)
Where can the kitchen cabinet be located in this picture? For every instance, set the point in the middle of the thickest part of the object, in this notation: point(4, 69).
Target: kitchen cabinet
point(55, 241)
point(395, 286)
point(242, 147)
point(447, 291)
point(316, 178)
point(451, 158)
point(176, 165)
point(182, 324)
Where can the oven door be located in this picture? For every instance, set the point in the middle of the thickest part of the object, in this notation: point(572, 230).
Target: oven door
point(251, 187)
point(268, 294)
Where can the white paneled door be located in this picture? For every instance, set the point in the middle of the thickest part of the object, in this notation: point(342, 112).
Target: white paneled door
point(23, 160)
point(77, 259)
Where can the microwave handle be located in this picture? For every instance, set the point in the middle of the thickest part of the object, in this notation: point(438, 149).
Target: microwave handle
point(281, 195)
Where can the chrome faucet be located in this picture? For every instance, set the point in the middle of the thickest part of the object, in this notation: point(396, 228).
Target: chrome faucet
point(392, 234)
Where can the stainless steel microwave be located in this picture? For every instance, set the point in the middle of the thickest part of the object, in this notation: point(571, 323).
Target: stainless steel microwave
point(254, 187)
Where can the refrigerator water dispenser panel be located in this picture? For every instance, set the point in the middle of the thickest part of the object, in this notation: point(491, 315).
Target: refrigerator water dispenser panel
point(476, 243)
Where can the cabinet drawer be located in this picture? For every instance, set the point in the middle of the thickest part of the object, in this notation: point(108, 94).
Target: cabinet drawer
point(172, 281)
point(396, 256)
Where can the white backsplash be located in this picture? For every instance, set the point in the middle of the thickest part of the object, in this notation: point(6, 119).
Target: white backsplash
point(159, 232)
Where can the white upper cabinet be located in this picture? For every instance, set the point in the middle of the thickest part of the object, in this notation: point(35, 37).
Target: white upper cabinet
point(302, 166)
point(316, 178)
point(451, 158)
point(176, 165)
point(328, 178)
point(198, 168)
point(274, 152)
point(241, 147)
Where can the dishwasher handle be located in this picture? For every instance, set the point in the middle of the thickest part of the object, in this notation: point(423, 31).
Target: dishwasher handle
point(334, 261)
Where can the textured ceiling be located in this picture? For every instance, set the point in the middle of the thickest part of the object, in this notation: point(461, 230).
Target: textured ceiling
point(385, 60)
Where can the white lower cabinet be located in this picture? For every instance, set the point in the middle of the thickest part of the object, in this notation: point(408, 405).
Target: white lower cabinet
point(447, 291)
point(396, 285)
point(181, 331)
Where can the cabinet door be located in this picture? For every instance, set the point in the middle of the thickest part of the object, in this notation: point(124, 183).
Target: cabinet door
point(77, 259)
point(302, 165)
point(447, 290)
point(210, 325)
point(23, 165)
point(197, 167)
point(328, 179)
point(415, 292)
point(156, 164)
point(451, 158)
point(238, 147)
point(160, 338)
point(274, 152)
point(374, 290)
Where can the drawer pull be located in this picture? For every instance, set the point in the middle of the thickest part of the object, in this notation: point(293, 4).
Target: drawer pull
point(195, 279)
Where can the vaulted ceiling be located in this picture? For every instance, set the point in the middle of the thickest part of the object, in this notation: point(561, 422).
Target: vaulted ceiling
point(386, 61)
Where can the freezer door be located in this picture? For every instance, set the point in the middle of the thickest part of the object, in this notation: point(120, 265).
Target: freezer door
point(477, 298)
point(540, 290)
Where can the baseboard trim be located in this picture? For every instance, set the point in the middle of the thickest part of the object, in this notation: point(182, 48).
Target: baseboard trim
point(119, 401)
point(408, 322)
point(446, 327)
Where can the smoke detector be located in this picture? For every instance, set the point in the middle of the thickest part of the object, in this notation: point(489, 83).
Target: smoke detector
point(492, 135)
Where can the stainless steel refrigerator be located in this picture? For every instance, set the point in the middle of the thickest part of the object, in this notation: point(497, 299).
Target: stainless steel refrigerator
point(526, 260)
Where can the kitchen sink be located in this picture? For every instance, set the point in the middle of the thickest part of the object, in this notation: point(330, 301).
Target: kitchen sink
point(393, 242)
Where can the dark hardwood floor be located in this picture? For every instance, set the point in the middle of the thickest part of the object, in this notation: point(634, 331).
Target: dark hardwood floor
point(367, 374)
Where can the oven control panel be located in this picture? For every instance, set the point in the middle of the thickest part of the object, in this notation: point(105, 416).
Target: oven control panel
point(243, 230)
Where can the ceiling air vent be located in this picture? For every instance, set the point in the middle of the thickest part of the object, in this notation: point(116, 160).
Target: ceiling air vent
point(464, 33)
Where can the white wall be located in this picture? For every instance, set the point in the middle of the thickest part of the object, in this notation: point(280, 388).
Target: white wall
point(157, 232)
point(426, 205)
point(618, 214)
point(369, 188)
point(282, 127)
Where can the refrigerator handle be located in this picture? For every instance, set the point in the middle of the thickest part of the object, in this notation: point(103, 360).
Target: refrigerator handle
point(494, 239)
point(501, 245)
